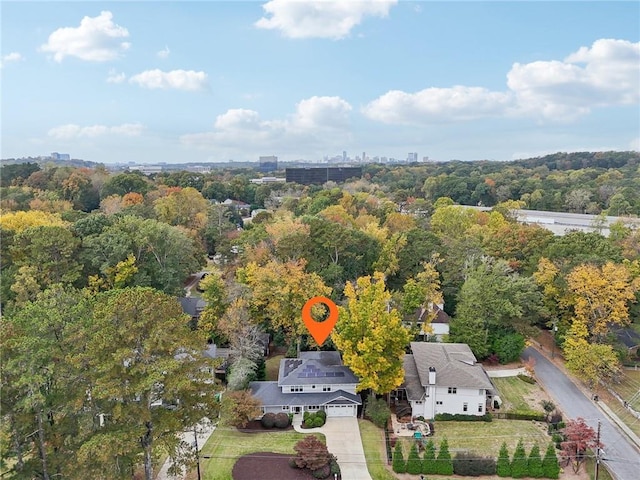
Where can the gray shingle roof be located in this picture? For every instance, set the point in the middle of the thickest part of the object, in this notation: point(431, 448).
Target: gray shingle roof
point(455, 365)
point(415, 390)
point(315, 368)
point(271, 395)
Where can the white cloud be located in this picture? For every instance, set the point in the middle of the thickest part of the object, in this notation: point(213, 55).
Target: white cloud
point(175, 79)
point(164, 53)
point(318, 18)
point(318, 123)
point(72, 131)
point(605, 74)
point(11, 57)
point(438, 104)
point(115, 77)
point(97, 39)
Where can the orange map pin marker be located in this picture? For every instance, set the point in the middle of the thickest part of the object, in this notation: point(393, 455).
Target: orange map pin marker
point(320, 330)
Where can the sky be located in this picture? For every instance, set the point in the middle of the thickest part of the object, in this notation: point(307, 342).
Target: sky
point(214, 81)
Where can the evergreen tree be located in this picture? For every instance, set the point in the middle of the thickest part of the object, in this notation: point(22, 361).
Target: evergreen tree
point(399, 465)
point(534, 464)
point(519, 463)
point(503, 467)
point(550, 466)
point(414, 464)
point(429, 458)
point(444, 464)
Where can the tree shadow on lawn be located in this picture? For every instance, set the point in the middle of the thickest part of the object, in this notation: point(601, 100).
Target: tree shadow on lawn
point(267, 466)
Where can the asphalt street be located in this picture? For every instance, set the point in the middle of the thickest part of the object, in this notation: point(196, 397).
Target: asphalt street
point(620, 454)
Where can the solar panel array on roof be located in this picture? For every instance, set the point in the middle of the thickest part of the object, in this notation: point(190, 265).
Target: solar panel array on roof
point(311, 371)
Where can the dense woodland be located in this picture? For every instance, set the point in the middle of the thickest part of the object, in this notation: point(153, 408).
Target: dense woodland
point(93, 262)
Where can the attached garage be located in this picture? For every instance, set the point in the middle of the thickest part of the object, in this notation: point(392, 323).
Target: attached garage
point(341, 410)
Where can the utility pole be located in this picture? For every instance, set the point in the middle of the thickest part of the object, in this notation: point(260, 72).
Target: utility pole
point(195, 436)
point(553, 345)
point(597, 452)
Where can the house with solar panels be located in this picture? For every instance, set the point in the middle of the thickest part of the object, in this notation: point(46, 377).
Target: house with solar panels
point(314, 381)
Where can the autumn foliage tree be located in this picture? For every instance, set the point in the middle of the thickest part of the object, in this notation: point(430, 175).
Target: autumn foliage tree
point(311, 453)
point(579, 437)
point(370, 335)
point(239, 408)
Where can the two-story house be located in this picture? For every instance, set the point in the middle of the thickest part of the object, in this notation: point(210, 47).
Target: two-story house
point(314, 381)
point(445, 378)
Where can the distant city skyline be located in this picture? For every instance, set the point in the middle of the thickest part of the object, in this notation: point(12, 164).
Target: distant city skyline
point(175, 82)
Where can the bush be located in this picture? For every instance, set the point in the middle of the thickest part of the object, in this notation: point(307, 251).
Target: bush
point(444, 465)
point(429, 459)
point(458, 417)
point(318, 421)
point(308, 423)
point(550, 466)
point(534, 465)
point(335, 468)
point(305, 415)
point(321, 413)
point(378, 411)
point(268, 420)
point(414, 464)
point(322, 472)
point(503, 467)
point(471, 465)
point(282, 420)
point(399, 465)
point(526, 378)
point(509, 347)
point(519, 467)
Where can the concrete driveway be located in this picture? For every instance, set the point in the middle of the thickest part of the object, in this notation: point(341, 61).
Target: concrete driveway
point(343, 440)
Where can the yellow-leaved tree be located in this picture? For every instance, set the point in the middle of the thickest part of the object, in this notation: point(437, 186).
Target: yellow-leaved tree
point(370, 335)
point(601, 297)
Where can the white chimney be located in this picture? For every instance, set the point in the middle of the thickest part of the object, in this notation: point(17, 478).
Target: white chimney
point(432, 375)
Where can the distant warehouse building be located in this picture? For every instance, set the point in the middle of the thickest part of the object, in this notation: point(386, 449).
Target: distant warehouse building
point(320, 175)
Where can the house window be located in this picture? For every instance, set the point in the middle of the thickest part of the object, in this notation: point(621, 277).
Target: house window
point(326, 388)
point(480, 408)
point(419, 402)
point(313, 407)
point(465, 407)
point(439, 402)
point(481, 391)
point(295, 389)
point(452, 390)
point(285, 407)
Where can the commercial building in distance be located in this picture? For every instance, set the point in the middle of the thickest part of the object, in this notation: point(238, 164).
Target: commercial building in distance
point(320, 175)
point(268, 163)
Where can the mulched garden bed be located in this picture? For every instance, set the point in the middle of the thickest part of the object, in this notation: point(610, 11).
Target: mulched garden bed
point(267, 466)
point(255, 426)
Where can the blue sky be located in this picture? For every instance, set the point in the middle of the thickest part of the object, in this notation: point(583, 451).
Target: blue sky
point(173, 82)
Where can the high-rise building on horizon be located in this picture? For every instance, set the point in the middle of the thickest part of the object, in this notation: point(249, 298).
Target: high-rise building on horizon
point(268, 163)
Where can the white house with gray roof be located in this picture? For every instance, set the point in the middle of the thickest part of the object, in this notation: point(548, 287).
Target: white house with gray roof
point(445, 378)
point(314, 381)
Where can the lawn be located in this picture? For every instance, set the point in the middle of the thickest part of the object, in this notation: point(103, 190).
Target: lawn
point(374, 452)
point(629, 387)
point(226, 445)
point(272, 366)
point(518, 396)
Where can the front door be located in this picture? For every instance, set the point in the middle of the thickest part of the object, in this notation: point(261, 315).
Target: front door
point(297, 409)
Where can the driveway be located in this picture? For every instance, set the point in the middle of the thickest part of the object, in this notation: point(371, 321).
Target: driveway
point(343, 440)
point(621, 456)
point(204, 429)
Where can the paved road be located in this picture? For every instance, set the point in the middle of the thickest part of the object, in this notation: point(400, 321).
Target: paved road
point(621, 456)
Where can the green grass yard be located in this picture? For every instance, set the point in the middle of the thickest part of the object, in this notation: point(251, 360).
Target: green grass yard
point(374, 451)
point(518, 396)
point(226, 445)
point(629, 386)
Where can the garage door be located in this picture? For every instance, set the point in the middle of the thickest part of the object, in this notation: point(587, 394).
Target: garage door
point(341, 411)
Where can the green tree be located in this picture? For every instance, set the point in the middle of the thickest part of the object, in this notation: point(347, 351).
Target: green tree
point(124, 183)
point(519, 467)
point(429, 464)
point(414, 464)
point(138, 351)
point(444, 463)
point(534, 464)
point(550, 466)
point(371, 336)
point(398, 464)
point(378, 411)
point(503, 466)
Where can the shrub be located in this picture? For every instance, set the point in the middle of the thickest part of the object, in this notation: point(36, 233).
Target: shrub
point(268, 420)
point(509, 347)
point(318, 421)
point(305, 415)
point(503, 467)
point(458, 417)
point(557, 439)
point(312, 454)
point(322, 472)
point(335, 468)
point(321, 413)
point(414, 464)
point(281, 420)
point(444, 465)
point(399, 465)
point(519, 463)
point(308, 423)
point(378, 411)
point(550, 466)
point(526, 378)
point(429, 459)
point(472, 465)
point(534, 465)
